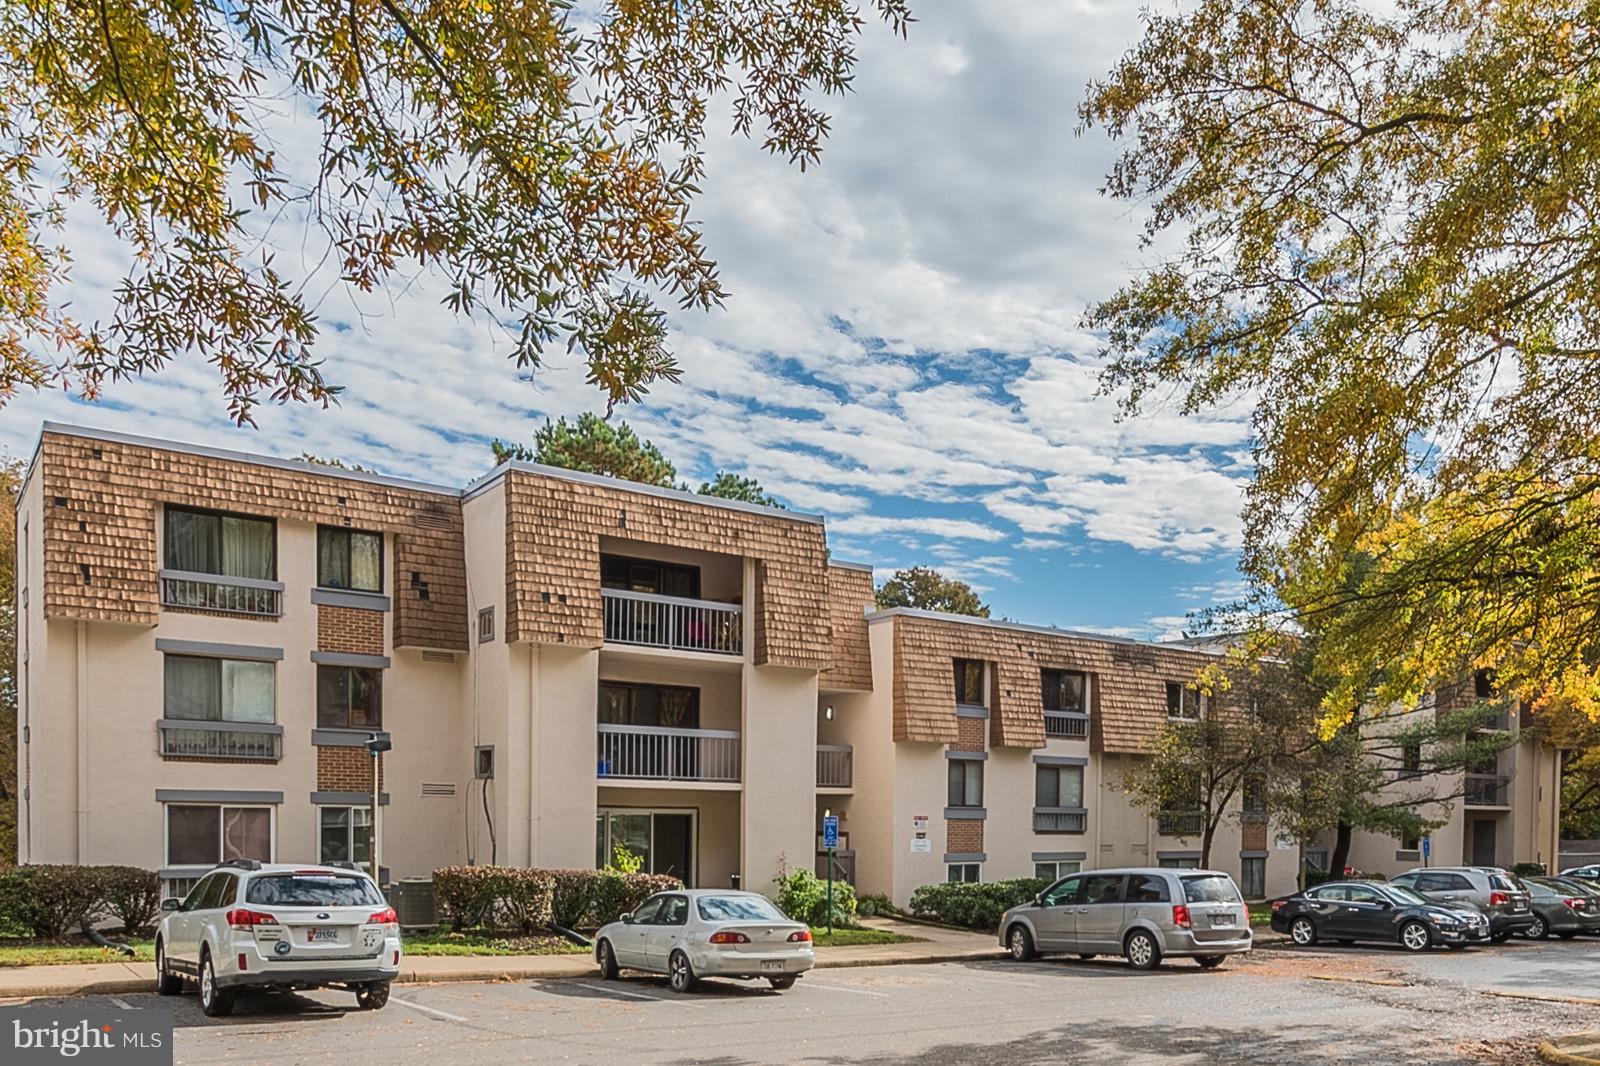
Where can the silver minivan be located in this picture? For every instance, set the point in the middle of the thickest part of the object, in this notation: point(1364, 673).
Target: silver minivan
point(1144, 915)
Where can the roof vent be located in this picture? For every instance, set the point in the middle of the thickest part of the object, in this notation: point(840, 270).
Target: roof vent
point(432, 516)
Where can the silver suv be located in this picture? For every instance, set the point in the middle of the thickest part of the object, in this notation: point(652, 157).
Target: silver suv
point(1144, 915)
point(1498, 893)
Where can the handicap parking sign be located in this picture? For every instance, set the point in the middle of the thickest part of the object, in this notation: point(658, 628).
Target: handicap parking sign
point(830, 832)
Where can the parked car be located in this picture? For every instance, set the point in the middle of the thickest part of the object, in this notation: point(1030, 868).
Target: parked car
point(1587, 873)
point(248, 925)
point(1563, 907)
point(1498, 893)
point(690, 934)
point(1144, 915)
point(1347, 911)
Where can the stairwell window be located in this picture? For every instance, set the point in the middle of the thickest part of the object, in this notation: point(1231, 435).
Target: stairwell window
point(966, 783)
point(349, 697)
point(969, 683)
point(1410, 760)
point(349, 559)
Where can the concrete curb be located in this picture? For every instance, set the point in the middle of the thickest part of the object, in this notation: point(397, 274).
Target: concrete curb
point(1576, 1049)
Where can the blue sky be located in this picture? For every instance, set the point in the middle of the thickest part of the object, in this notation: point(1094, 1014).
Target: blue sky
point(901, 349)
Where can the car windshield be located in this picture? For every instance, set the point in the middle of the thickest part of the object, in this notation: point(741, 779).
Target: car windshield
point(1209, 888)
point(312, 890)
point(737, 909)
point(1403, 894)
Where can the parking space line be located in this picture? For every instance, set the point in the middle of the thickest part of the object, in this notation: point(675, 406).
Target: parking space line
point(609, 991)
point(124, 1004)
point(841, 988)
point(429, 1010)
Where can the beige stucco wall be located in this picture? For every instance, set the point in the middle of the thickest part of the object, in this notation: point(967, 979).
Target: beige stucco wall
point(485, 693)
point(563, 755)
point(780, 772)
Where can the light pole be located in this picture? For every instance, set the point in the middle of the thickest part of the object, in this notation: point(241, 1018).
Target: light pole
point(376, 746)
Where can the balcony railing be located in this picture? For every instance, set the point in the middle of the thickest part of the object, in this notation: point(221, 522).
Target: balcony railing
point(1180, 823)
point(834, 765)
point(1487, 790)
point(672, 622)
point(654, 753)
point(252, 741)
point(216, 592)
point(1059, 819)
point(1069, 724)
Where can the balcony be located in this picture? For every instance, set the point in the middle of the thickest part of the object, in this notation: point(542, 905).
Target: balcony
point(1180, 823)
point(1487, 790)
point(241, 741)
point(217, 592)
point(655, 753)
point(647, 620)
point(1060, 819)
point(1068, 724)
point(835, 767)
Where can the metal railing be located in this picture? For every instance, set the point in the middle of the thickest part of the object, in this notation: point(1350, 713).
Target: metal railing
point(1068, 724)
point(253, 741)
point(1059, 819)
point(835, 765)
point(655, 753)
point(1487, 790)
point(672, 622)
point(1180, 823)
point(218, 592)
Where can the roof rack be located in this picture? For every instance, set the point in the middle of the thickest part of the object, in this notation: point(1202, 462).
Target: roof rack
point(239, 864)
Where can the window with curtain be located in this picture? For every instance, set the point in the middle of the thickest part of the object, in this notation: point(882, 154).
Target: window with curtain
point(1058, 786)
point(969, 683)
point(349, 697)
point(1063, 690)
point(672, 706)
point(345, 834)
point(966, 782)
point(349, 559)
point(204, 835)
point(207, 542)
point(219, 690)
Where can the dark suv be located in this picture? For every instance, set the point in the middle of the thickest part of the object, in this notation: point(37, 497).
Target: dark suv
point(1498, 893)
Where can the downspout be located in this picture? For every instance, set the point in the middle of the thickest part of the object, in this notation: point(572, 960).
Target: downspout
point(533, 751)
point(80, 851)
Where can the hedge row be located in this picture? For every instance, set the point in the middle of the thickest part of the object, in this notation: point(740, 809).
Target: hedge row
point(506, 897)
point(49, 901)
point(974, 905)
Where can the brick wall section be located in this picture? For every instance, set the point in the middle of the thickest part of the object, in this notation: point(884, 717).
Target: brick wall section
point(1128, 681)
point(352, 630)
point(106, 518)
point(1253, 836)
point(969, 734)
point(553, 531)
point(964, 835)
point(849, 598)
point(346, 770)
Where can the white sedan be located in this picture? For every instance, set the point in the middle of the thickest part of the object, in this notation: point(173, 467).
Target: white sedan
point(697, 933)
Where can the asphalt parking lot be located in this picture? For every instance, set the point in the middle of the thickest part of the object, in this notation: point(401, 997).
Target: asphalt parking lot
point(1340, 1005)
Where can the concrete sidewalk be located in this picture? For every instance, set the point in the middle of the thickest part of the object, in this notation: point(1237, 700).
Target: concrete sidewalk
point(112, 978)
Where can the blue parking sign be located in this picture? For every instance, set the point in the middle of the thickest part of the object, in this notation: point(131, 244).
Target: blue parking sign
point(830, 832)
point(1427, 846)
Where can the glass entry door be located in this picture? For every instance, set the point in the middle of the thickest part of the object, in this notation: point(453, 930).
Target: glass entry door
point(663, 839)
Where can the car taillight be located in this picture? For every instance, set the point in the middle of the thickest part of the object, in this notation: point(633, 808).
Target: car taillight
point(1180, 915)
point(800, 936)
point(243, 918)
point(729, 938)
point(1575, 904)
point(1498, 899)
point(1277, 904)
point(387, 916)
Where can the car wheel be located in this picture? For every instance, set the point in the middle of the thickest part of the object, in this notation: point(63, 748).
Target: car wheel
point(1414, 936)
point(1021, 943)
point(609, 970)
point(214, 1002)
point(167, 982)
point(372, 995)
point(1209, 962)
point(1141, 950)
point(781, 984)
point(1538, 930)
point(1303, 932)
point(680, 975)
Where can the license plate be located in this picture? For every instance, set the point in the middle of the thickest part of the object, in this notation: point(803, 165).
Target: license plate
point(321, 936)
point(772, 966)
point(1222, 919)
point(1519, 906)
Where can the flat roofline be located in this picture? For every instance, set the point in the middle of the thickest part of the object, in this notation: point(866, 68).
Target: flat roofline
point(227, 455)
point(1021, 627)
point(843, 565)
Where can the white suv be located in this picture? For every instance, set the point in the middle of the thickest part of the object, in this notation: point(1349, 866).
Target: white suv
point(251, 925)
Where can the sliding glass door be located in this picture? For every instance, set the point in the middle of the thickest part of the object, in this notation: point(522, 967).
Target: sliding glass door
point(664, 839)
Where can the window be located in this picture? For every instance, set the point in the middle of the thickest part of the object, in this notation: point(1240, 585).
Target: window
point(1255, 877)
point(969, 683)
point(647, 575)
point(966, 783)
point(1058, 786)
point(672, 706)
point(218, 690)
point(1483, 684)
point(207, 835)
point(1183, 701)
point(1175, 863)
point(1068, 891)
point(1410, 759)
point(1411, 842)
point(349, 559)
point(349, 697)
point(1102, 888)
point(344, 834)
point(1254, 802)
point(969, 872)
point(1147, 888)
point(209, 542)
point(1065, 690)
point(485, 625)
point(1049, 871)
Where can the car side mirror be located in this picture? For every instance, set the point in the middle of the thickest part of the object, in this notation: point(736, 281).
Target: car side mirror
point(171, 903)
point(627, 919)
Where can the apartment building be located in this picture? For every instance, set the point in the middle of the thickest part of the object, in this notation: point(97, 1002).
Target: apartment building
point(564, 664)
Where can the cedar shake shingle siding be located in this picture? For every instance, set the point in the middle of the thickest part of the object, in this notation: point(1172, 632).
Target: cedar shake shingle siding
point(850, 597)
point(553, 531)
point(102, 541)
point(1127, 681)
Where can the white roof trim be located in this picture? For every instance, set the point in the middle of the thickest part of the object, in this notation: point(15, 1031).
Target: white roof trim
point(1020, 627)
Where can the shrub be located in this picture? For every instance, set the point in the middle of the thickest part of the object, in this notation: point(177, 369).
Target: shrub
point(130, 895)
point(974, 905)
point(618, 893)
point(50, 900)
point(1529, 869)
point(524, 898)
point(803, 896)
point(528, 899)
point(870, 906)
point(573, 895)
point(467, 894)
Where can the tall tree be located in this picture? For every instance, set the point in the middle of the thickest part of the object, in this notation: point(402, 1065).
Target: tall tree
point(737, 487)
point(1384, 239)
point(545, 160)
point(926, 589)
point(10, 481)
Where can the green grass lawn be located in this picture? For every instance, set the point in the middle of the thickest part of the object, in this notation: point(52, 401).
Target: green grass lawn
point(475, 943)
point(37, 953)
point(841, 938)
point(1260, 913)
